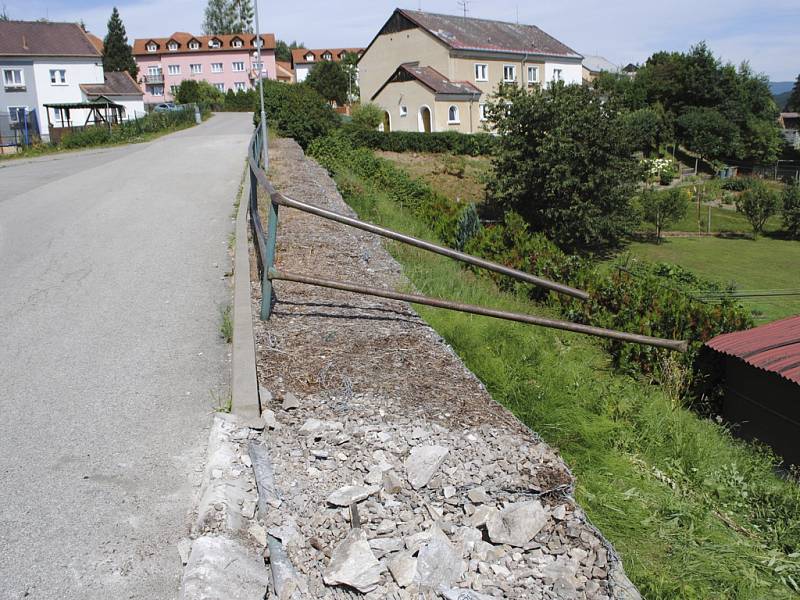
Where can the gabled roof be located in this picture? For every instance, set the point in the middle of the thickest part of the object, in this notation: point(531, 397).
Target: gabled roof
point(774, 347)
point(183, 38)
point(598, 64)
point(432, 79)
point(116, 83)
point(480, 35)
point(34, 38)
point(299, 54)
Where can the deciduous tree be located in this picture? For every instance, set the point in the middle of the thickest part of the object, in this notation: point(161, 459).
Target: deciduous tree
point(330, 81)
point(283, 50)
point(793, 103)
point(117, 54)
point(791, 210)
point(219, 18)
point(758, 203)
point(663, 208)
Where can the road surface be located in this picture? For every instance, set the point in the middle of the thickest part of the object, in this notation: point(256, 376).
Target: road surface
point(112, 266)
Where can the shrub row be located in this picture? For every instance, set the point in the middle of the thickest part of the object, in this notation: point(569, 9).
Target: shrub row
point(652, 299)
point(449, 142)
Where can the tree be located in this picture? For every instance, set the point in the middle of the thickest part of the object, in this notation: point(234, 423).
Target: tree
point(708, 133)
point(4, 14)
point(793, 103)
point(565, 163)
point(283, 51)
point(117, 54)
point(243, 16)
point(758, 203)
point(648, 128)
point(220, 17)
point(791, 210)
point(330, 81)
point(663, 208)
point(367, 116)
point(350, 66)
point(200, 92)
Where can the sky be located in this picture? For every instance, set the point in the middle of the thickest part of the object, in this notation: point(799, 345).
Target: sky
point(764, 32)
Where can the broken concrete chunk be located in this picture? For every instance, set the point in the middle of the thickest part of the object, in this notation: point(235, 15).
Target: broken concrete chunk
point(391, 482)
point(462, 594)
point(438, 562)
point(264, 395)
point(478, 495)
point(403, 567)
point(290, 401)
point(386, 545)
point(269, 419)
point(422, 463)
point(354, 564)
point(258, 533)
point(481, 515)
point(316, 427)
point(516, 524)
point(222, 568)
point(350, 494)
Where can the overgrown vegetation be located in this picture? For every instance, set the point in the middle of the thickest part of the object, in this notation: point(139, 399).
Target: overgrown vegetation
point(694, 513)
point(198, 92)
point(447, 142)
point(226, 324)
point(330, 81)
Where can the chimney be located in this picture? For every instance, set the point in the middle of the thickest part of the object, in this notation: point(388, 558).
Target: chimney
point(25, 43)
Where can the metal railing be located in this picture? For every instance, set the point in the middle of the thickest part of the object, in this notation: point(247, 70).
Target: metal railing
point(265, 241)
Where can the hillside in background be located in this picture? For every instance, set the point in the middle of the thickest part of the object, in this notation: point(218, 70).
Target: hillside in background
point(780, 91)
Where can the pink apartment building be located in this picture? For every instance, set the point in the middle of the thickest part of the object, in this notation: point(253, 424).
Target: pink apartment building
point(226, 61)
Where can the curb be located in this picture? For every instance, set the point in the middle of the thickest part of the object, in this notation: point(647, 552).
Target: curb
point(244, 382)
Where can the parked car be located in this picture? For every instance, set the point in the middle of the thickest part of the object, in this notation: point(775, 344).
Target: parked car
point(166, 107)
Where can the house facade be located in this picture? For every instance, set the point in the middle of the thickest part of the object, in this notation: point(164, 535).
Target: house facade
point(229, 62)
point(303, 59)
point(432, 72)
point(43, 63)
point(120, 88)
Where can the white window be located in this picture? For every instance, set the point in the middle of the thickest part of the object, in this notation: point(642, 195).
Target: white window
point(220, 86)
point(174, 69)
point(236, 43)
point(239, 86)
point(15, 113)
point(172, 46)
point(154, 71)
point(509, 73)
point(157, 90)
point(533, 75)
point(194, 45)
point(214, 44)
point(452, 115)
point(309, 57)
point(403, 111)
point(57, 115)
point(481, 72)
point(216, 67)
point(196, 69)
point(258, 43)
point(58, 76)
point(482, 112)
point(257, 67)
point(558, 75)
point(237, 67)
point(151, 47)
point(173, 89)
point(13, 78)
point(327, 56)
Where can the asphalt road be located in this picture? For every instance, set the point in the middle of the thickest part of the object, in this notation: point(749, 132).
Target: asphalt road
point(112, 267)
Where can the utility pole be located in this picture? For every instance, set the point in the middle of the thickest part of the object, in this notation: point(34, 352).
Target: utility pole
point(264, 137)
point(464, 4)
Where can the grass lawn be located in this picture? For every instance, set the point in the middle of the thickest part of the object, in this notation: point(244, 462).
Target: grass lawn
point(693, 512)
point(765, 263)
point(722, 220)
point(438, 171)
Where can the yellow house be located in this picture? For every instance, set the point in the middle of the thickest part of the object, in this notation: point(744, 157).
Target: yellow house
point(432, 72)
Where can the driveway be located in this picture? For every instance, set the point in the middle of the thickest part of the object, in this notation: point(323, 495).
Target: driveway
point(112, 274)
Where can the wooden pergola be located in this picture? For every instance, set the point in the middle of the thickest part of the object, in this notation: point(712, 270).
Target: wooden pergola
point(101, 110)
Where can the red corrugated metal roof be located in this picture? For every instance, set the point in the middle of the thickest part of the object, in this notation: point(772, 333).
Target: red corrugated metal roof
point(774, 347)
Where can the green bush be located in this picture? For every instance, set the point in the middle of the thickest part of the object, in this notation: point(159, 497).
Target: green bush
point(367, 116)
point(448, 142)
point(297, 111)
point(791, 210)
point(758, 203)
point(241, 101)
point(199, 92)
point(128, 131)
point(736, 184)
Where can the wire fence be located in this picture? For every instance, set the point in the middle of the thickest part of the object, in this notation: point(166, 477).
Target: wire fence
point(19, 128)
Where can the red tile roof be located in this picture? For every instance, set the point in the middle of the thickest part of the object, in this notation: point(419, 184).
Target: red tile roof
point(774, 347)
point(432, 79)
point(116, 83)
point(299, 54)
point(34, 38)
point(183, 38)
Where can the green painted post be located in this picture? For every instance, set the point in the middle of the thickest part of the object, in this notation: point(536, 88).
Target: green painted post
point(269, 262)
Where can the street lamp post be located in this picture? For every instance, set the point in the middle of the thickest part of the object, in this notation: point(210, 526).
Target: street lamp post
point(265, 140)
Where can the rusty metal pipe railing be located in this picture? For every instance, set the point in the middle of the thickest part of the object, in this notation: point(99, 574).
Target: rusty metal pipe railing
point(675, 345)
point(283, 200)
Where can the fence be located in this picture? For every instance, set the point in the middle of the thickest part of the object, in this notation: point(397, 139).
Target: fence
point(265, 241)
point(17, 130)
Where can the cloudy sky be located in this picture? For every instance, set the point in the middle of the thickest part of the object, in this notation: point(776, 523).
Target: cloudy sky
point(765, 32)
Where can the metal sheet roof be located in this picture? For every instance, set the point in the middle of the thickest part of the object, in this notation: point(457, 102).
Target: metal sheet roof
point(774, 347)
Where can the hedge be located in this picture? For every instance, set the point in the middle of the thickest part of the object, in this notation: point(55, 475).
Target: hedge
point(449, 142)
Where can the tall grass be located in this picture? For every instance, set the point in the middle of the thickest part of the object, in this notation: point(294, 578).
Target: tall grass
point(693, 512)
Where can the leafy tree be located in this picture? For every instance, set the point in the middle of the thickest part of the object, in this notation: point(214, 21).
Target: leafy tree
point(663, 208)
point(707, 132)
point(200, 92)
point(117, 54)
point(758, 203)
point(565, 163)
point(283, 51)
point(350, 66)
point(297, 111)
point(4, 14)
point(367, 116)
point(220, 17)
point(648, 128)
point(793, 103)
point(791, 210)
point(243, 16)
point(330, 81)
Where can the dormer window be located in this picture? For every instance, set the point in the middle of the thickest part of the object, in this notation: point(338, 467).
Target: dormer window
point(237, 43)
point(194, 45)
point(258, 42)
point(327, 56)
point(152, 47)
point(215, 43)
point(172, 46)
point(309, 57)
